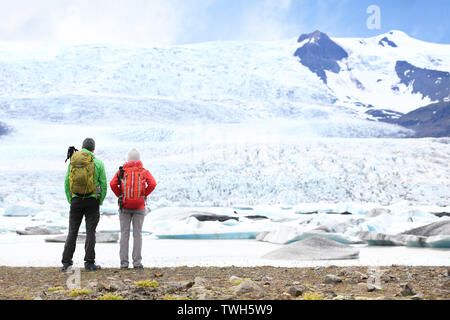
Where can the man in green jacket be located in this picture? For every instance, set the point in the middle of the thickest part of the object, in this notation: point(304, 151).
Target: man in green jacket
point(86, 204)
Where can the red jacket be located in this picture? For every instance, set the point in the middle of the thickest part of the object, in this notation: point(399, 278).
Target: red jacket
point(148, 185)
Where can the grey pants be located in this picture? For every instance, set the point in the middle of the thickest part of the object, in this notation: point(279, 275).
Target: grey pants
point(128, 217)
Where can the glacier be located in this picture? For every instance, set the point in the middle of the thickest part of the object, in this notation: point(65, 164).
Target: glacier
point(232, 128)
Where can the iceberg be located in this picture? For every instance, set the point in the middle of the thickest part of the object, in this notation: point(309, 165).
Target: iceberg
point(313, 248)
point(101, 237)
point(294, 235)
point(20, 211)
point(435, 235)
point(211, 236)
point(38, 230)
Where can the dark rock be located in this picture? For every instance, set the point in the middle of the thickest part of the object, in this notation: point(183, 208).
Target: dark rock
point(430, 83)
point(332, 279)
point(199, 281)
point(320, 53)
point(418, 296)
point(387, 42)
point(346, 272)
point(115, 286)
point(145, 291)
point(248, 286)
point(296, 291)
point(180, 286)
point(407, 290)
point(384, 115)
point(204, 296)
point(286, 296)
point(330, 293)
point(373, 287)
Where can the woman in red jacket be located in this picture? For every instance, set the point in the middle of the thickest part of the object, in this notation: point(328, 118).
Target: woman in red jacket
point(132, 184)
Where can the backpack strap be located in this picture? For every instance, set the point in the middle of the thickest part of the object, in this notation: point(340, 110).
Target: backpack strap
point(119, 178)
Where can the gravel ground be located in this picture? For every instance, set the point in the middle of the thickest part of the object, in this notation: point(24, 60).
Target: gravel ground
point(227, 283)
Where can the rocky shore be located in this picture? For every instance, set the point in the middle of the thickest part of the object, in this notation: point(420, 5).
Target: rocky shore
point(227, 283)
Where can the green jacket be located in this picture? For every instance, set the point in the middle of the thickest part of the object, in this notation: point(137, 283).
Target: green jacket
point(99, 178)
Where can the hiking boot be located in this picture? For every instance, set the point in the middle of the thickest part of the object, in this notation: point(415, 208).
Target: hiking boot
point(66, 267)
point(123, 267)
point(92, 267)
point(139, 267)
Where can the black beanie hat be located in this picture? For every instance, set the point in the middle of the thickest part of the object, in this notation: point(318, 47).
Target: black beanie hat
point(89, 144)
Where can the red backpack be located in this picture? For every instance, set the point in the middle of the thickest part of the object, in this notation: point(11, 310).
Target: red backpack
point(133, 187)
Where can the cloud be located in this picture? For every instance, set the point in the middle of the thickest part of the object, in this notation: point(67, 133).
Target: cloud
point(266, 20)
point(119, 21)
point(146, 22)
point(156, 22)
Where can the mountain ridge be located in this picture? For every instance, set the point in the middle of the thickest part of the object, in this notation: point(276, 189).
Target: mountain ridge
point(428, 121)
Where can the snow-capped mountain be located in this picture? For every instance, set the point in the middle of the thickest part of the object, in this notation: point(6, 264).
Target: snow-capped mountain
point(382, 76)
point(230, 81)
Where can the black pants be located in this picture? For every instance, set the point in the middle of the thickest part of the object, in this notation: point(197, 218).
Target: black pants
point(90, 209)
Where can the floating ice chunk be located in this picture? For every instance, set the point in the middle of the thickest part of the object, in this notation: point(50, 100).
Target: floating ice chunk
point(203, 216)
point(375, 212)
point(437, 242)
point(218, 236)
point(101, 237)
point(352, 208)
point(242, 208)
point(290, 235)
point(439, 226)
point(231, 222)
point(338, 228)
point(19, 211)
point(435, 234)
point(338, 237)
point(381, 239)
point(180, 213)
point(338, 208)
point(38, 230)
point(314, 248)
point(49, 215)
point(282, 234)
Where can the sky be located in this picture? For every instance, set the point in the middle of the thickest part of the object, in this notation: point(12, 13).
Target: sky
point(165, 22)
